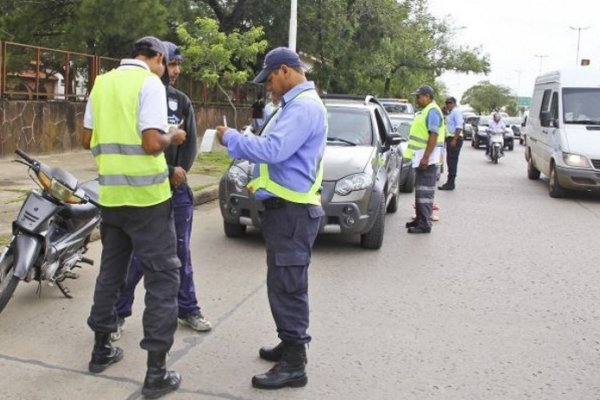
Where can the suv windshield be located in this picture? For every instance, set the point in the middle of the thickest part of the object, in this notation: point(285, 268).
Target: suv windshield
point(581, 106)
point(352, 126)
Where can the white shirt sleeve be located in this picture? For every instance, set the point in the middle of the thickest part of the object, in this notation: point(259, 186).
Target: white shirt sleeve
point(152, 107)
point(88, 120)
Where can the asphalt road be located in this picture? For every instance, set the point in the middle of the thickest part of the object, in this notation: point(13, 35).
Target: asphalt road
point(500, 301)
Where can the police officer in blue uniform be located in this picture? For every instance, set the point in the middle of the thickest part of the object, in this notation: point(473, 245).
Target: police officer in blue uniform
point(179, 161)
point(287, 179)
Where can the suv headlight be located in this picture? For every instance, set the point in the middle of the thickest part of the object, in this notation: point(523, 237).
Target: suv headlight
point(352, 183)
point(238, 176)
point(575, 160)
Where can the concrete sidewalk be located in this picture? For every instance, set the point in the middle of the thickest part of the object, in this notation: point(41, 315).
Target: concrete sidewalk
point(15, 183)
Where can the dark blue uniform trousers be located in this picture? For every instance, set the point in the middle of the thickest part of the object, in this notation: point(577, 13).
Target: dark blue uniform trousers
point(289, 233)
point(183, 211)
point(452, 156)
point(150, 232)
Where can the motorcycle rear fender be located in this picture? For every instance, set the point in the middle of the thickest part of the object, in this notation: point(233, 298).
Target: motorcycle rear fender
point(26, 250)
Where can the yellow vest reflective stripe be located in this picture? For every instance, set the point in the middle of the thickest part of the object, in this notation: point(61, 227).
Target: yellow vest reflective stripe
point(127, 175)
point(263, 181)
point(419, 134)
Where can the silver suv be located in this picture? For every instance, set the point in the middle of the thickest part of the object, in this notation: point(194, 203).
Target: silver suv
point(360, 179)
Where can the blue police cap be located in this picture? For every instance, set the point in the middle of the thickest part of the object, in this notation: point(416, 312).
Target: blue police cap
point(274, 59)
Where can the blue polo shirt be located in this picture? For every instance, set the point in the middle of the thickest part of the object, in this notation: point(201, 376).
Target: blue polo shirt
point(293, 145)
point(455, 120)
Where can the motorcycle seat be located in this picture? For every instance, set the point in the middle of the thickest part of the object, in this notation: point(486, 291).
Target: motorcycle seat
point(92, 188)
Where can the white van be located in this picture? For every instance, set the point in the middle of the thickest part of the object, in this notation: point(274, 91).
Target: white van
point(563, 130)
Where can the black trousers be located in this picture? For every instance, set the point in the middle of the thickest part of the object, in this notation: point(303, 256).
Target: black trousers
point(452, 156)
point(150, 231)
point(289, 233)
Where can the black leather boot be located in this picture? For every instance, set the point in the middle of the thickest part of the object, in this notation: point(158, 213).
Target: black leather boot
point(449, 185)
point(104, 354)
point(289, 370)
point(272, 353)
point(158, 380)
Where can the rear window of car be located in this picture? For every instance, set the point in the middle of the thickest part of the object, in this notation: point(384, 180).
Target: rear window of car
point(397, 108)
point(353, 125)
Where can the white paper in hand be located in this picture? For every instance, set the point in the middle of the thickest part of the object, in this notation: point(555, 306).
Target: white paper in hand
point(208, 141)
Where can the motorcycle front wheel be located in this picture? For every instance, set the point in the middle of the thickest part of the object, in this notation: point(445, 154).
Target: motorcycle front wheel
point(8, 282)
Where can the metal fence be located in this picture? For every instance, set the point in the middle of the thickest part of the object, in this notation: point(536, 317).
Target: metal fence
point(38, 73)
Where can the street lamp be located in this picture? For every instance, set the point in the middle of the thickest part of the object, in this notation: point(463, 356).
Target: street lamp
point(518, 71)
point(578, 29)
point(541, 57)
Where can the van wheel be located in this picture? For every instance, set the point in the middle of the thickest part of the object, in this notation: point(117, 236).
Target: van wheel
point(234, 230)
point(555, 190)
point(374, 238)
point(532, 172)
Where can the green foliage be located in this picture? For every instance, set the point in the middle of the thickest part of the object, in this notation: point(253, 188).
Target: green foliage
point(216, 57)
point(123, 24)
point(485, 97)
point(511, 108)
point(384, 47)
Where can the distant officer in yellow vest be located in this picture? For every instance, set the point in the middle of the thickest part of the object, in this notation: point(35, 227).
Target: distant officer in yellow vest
point(126, 127)
point(425, 143)
point(287, 180)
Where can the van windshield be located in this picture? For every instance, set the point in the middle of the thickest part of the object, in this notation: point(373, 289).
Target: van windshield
point(581, 106)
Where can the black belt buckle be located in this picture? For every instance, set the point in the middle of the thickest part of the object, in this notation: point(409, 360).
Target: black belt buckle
point(274, 203)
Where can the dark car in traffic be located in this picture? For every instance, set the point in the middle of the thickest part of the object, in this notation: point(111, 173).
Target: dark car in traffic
point(361, 173)
point(480, 136)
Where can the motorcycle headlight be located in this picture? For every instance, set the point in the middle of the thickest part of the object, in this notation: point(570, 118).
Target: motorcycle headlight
point(238, 176)
point(59, 191)
point(575, 160)
point(352, 183)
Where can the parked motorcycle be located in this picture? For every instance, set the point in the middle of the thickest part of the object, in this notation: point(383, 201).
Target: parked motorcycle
point(51, 232)
point(496, 138)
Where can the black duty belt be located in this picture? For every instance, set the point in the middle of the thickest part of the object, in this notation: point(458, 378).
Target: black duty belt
point(274, 203)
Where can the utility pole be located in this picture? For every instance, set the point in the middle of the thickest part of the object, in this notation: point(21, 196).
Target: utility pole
point(518, 71)
point(293, 24)
point(578, 29)
point(541, 57)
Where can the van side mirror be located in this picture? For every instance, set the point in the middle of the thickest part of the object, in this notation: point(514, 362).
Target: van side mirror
point(546, 119)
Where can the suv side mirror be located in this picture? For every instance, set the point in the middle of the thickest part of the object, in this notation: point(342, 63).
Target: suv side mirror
point(394, 138)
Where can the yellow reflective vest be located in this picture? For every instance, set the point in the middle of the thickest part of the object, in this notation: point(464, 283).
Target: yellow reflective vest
point(263, 181)
point(128, 176)
point(419, 134)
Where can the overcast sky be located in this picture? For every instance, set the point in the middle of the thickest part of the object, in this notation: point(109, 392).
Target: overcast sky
point(513, 32)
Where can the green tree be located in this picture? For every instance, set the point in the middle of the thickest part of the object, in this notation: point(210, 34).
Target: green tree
point(485, 97)
point(122, 23)
point(219, 58)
